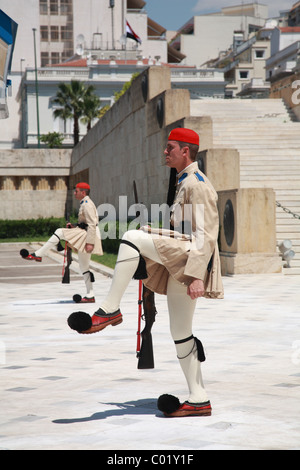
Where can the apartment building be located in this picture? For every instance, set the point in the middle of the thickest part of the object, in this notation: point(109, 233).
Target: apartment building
point(54, 31)
point(87, 41)
point(192, 38)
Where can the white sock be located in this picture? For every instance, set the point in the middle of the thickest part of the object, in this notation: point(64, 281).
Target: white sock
point(190, 365)
point(127, 263)
point(51, 243)
point(181, 311)
point(84, 264)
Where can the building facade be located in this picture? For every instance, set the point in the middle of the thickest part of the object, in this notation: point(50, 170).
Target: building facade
point(72, 28)
point(107, 77)
point(192, 39)
point(284, 52)
point(86, 41)
point(244, 67)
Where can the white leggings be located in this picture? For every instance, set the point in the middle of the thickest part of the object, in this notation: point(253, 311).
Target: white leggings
point(181, 306)
point(83, 259)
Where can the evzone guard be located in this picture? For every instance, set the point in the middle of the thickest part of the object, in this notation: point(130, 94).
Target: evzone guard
point(84, 237)
point(183, 266)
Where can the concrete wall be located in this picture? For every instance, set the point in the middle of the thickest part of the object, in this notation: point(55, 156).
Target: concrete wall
point(33, 183)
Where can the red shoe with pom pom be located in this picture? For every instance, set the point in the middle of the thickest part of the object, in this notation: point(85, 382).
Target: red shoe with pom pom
point(101, 320)
point(85, 324)
point(171, 407)
point(191, 409)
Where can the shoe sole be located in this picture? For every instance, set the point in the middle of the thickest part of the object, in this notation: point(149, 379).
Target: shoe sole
point(179, 414)
point(95, 329)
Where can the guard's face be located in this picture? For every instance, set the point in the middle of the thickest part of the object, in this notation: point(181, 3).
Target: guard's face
point(175, 156)
point(79, 194)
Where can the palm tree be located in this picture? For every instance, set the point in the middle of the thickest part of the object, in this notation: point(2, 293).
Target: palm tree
point(70, 97)
point(91, 105)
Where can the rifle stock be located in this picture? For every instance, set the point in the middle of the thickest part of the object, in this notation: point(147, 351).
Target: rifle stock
point(145, 354)
point(66, 273)
point(146, 358)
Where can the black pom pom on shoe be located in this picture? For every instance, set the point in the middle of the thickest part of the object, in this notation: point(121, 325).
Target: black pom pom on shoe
point(80, 321)
point(24, 253)
point(60, 247)
point(77, 298)
point(168, 403)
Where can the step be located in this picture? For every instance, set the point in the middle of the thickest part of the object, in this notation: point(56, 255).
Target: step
point(264, 184)
point(268, 142)
point(263, 165)
point(275, 154)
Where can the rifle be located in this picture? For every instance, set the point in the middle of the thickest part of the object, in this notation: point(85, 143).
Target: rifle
point(66, 269)
point(140, 302)
point(145, 349)
point(146, 357)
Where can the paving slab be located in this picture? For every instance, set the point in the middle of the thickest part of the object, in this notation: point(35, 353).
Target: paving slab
point(65, 391)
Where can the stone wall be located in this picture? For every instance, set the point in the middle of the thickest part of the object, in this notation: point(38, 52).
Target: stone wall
point(33, 183)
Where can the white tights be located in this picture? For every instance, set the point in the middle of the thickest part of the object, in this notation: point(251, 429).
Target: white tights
point(83, 259)
point(181, 307)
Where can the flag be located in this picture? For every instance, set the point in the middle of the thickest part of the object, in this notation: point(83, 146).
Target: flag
point(131, 34)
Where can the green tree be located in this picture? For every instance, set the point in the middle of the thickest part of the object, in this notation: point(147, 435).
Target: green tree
point(53, 139)
point(70, 99)
point(117, 95)
point(125, 87)
point(103, 110)
point(91, 105)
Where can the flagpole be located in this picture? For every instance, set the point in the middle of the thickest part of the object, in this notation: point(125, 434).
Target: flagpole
point(111, 5)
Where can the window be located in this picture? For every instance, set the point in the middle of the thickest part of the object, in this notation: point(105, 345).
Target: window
point(44, 59)
point(44, 33)
point(259, 53)
point(65, 7)
point(53, 7)
point(244, 74)
point(55, 58)
point(54, 33)
point(66, 33)
point(43, 7)
point(66, 55)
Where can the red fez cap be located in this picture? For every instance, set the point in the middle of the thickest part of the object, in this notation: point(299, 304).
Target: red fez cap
point(184, 135)
point(83, 186)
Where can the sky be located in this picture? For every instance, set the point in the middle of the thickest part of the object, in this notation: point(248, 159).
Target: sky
point(172, 14)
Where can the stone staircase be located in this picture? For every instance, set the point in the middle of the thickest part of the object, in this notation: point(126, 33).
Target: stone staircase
point(268, 141)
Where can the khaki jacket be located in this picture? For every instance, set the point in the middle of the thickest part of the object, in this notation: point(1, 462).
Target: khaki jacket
point(78, 237)
point(187, 256)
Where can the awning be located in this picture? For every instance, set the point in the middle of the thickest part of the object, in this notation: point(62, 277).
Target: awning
point(8, 32)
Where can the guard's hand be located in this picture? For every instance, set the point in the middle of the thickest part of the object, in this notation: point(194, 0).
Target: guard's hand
point(89, 247)
point(196, 289)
